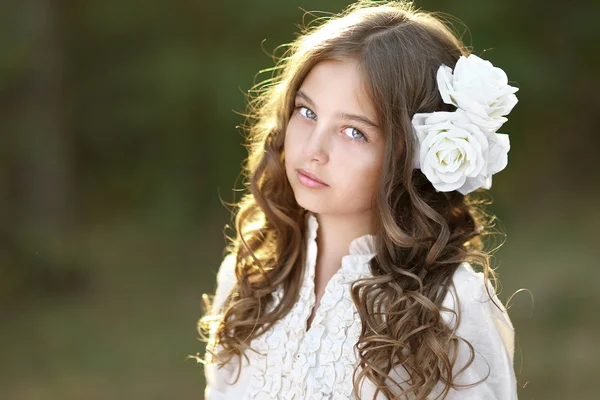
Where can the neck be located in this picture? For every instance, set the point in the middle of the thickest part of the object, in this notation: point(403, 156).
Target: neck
point(336, 232)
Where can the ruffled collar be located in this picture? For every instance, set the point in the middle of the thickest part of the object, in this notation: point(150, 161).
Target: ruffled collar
point(361, 248)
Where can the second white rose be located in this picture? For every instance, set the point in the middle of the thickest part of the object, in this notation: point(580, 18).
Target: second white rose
point(452, 151)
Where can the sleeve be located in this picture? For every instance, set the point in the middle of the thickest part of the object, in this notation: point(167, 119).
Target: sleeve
point(489, 330)
point(225, 280)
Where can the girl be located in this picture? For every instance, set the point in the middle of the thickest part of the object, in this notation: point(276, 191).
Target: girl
point(351, 275)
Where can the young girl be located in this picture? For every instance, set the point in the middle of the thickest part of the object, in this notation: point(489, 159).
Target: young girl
point(352, 272)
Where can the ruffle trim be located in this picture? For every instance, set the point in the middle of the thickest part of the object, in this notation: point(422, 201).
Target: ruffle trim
point(289, 352)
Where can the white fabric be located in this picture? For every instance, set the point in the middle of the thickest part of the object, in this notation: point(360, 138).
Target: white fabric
point(318, 364)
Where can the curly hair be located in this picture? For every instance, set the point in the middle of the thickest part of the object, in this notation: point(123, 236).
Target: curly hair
point(423, 235)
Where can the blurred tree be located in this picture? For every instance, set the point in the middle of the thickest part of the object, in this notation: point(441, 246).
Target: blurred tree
point(37, 205)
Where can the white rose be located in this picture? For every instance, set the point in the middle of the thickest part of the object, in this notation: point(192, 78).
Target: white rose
point(480, 89)
point(452, 152)
point(497, 158)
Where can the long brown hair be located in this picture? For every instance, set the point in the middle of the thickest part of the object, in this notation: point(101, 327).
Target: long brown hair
point(423, 234)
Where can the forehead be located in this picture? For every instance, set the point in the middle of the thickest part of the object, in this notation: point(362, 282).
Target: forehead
point(337, 86)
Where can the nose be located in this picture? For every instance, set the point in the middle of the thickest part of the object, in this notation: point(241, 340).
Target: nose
point(317, 145)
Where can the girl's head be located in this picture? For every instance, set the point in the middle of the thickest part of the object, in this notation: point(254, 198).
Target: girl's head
point(333, 133)
point(340, 106)
point(377, 63)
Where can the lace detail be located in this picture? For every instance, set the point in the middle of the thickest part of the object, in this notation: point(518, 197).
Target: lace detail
point(324, 355)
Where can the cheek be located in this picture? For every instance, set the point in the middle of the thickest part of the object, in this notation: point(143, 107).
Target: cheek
point(292, 142)
point(362, 178)
point(372, 174)
point(289, 149)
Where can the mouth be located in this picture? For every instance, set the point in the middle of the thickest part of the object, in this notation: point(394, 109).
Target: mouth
point(309, 179)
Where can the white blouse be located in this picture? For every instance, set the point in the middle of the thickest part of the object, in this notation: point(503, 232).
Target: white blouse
point(318, 364)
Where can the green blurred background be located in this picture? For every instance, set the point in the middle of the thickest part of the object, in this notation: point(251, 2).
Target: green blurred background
point(118, 142)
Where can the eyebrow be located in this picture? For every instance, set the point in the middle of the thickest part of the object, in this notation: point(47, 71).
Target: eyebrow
point(346, 116)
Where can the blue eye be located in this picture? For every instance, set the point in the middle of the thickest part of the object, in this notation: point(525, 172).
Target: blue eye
point(308, 112)
point(311, 115)
point(354, 130)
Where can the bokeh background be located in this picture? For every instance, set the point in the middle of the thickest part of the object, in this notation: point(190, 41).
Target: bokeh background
point(118, 142)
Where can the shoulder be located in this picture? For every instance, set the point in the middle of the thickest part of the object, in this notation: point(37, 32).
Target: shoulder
point(482, 322)
point(480, 310)
point(226, 270)
point(225, 279)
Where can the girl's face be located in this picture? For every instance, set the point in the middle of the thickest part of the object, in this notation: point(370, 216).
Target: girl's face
point(333, 135)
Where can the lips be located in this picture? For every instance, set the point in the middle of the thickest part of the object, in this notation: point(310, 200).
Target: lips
point(311, 176)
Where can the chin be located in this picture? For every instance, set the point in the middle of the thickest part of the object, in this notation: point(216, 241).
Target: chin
point(311, 202)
